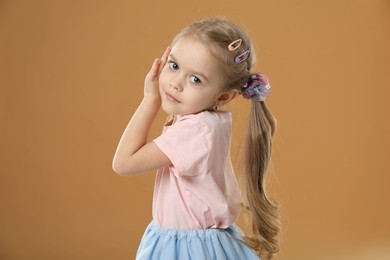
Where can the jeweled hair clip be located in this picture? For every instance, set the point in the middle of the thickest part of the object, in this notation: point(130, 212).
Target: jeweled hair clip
point(242, 57)
point(234, 45)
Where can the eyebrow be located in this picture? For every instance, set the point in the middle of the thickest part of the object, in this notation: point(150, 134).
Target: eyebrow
point(192, 71)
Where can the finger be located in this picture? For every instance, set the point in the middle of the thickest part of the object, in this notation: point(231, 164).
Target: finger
point(166, 53)
point(164, 58)
point(153, 73)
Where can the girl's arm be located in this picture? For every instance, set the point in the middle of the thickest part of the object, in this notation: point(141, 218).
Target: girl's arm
point(133, 154)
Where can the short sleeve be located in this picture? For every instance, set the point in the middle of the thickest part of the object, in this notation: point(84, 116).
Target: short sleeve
point(186, 144)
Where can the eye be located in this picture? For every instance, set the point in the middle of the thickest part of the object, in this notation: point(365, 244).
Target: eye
point(173, 65)
point(195, 80)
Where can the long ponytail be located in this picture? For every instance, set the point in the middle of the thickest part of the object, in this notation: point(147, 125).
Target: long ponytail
point(265, 214)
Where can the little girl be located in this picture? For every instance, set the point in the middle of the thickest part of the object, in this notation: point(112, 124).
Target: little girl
point(196, 198)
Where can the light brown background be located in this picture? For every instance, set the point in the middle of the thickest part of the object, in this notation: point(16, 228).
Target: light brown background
point(71, 75)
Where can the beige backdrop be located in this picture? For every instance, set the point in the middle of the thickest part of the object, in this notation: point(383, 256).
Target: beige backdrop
point(71, 75)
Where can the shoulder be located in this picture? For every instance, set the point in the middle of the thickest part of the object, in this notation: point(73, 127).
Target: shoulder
point(208, 119)
point(202, 126)
point(189, 142)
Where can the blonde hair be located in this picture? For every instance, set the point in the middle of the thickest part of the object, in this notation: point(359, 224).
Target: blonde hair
point(217, 34)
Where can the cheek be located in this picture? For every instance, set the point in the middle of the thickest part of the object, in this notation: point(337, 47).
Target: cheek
point(163, 78)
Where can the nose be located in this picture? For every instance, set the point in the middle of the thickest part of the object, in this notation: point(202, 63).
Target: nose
point(176, 84)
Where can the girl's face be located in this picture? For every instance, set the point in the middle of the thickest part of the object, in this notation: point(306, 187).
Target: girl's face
point(191, 81)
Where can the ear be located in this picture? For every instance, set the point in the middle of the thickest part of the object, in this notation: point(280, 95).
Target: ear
point(227, 96)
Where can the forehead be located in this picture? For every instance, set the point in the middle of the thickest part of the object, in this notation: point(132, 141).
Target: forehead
point(192, 54)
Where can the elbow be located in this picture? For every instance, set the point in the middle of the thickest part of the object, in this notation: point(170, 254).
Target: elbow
point(118, 168)
point(121, 168)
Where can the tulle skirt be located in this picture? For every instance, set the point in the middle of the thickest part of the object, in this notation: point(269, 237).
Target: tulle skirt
point(205, 244)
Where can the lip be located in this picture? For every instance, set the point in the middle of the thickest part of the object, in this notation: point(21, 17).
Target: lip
point(171, 97)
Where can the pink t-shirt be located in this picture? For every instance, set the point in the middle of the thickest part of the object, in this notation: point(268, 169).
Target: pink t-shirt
point(199, 190)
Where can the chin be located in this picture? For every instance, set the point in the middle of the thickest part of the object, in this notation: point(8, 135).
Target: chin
point(168, 109)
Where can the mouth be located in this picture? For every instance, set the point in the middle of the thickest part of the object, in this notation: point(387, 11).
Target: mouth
point(171, 98)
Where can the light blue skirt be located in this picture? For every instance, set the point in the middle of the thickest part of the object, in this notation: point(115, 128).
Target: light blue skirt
point(204, 244)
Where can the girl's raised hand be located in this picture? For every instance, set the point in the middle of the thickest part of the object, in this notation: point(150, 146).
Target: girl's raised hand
point(151, 88)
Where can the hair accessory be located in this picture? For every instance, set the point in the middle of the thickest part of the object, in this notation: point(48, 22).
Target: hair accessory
point(234, 45)
point(257, 87)
point(243, 56)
